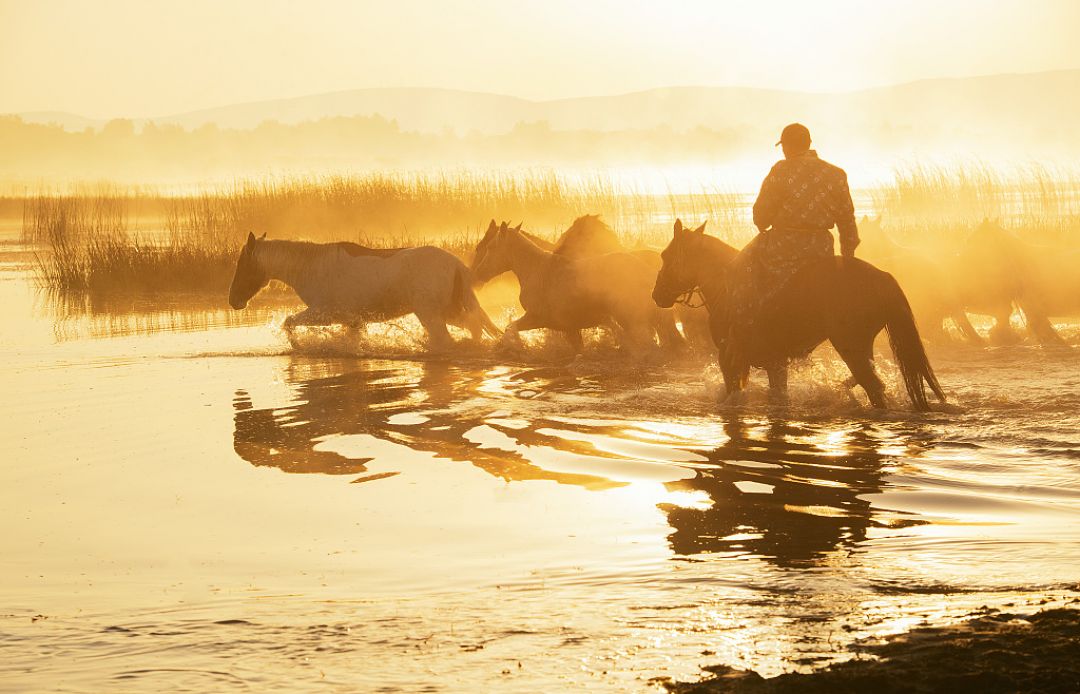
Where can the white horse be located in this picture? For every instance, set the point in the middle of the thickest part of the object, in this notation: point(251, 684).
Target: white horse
point(350, 284)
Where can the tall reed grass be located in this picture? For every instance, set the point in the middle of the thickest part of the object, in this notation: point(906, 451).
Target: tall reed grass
point(91, 240)
point(925, 202)
point(109, 238)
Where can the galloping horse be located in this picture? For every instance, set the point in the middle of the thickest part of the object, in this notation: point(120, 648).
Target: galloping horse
point(567, 294)
point(998, 270)
point(590, 236)
point(932, 290)
point(350, 284)
point(843, 300)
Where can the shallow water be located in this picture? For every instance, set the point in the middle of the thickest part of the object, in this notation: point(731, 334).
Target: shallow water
point(190, 504)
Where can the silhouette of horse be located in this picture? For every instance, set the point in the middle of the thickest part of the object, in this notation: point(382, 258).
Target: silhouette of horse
point(844, 300)
point(590, 236)
point(570, 294)
point(350, 284)
point(998, 272)
point(931, 288)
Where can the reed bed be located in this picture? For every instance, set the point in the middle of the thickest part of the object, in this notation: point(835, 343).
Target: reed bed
point(109, 238)
point(925, 203)
point(93, 241)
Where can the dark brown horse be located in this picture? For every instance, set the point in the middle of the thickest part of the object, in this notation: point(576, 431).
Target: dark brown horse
point(843, 300)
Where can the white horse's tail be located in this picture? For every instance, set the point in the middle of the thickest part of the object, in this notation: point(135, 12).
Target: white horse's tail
point(465, 300)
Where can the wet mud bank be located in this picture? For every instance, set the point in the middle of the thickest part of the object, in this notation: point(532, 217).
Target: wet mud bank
point(996, 652)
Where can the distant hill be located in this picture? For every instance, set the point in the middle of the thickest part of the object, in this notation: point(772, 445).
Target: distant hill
point(1023, 102)
point(68, 121)
point(1016, 118)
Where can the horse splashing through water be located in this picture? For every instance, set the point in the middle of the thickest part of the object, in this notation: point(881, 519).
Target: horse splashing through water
point(843, 300)
point(571, 294)
point(590, 236)
point(349, 284)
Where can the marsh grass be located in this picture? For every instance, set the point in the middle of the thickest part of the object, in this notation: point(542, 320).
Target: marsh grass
point(926, 204)
point(136, 239)
point(96, 240)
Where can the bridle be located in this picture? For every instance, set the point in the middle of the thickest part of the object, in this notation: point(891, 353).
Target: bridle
point(687, 298)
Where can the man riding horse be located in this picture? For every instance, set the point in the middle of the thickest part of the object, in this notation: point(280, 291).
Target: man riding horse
point(801, 199)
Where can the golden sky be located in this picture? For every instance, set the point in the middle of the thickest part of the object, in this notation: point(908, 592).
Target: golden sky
point(149, 57)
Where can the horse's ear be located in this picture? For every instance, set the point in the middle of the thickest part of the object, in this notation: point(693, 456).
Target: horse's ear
point(701, 229)
point(518, 227)
point(678, 226)
point(492, 226)
point(250, 238)
point(263, 236)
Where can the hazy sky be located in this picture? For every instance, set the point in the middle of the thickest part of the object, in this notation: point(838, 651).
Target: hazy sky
point(147, 57)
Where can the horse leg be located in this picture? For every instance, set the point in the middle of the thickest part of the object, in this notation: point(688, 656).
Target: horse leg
point(736, 372)
point(637, 335)
point(860, 360)
point(574, 338)
point(778, 382)
point(512, 336)
point(1002, 332)
point(1039, 325)
point(308, 316)
point(960, 317)
point(439, 339)
point(667, 333)
point(471, 323)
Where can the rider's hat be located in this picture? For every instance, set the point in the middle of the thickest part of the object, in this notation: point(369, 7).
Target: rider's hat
point(795, 136)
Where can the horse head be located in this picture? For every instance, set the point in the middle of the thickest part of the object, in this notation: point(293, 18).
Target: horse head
point(492, 254)
point(679, 273)
point(249, 277)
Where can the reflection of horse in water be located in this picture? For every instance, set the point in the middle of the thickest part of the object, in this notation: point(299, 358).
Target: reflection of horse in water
point(571, 294)
point(336, 397)
point(778, 495)
point(350, 284)
point(843, 300)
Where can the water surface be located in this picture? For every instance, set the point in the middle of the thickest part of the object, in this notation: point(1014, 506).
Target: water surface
point(189, 503)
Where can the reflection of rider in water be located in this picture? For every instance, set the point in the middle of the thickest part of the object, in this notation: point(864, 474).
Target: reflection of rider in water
point(804, 505)
point(801, 199)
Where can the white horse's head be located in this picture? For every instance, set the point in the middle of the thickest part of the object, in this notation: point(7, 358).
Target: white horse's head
point(249, 277)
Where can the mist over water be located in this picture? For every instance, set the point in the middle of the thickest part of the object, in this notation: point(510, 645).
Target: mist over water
point(190, 502)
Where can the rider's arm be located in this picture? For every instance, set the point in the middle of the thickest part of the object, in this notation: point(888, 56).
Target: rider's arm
point(767, 199)
point(845, 219)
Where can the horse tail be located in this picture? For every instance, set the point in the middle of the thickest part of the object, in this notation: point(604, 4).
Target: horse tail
point(907, 346)
point(464, 299)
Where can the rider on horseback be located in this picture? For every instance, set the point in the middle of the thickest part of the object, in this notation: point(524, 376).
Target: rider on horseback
point(801, 199)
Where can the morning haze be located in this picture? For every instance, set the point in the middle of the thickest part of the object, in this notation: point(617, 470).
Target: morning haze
point(539, 346)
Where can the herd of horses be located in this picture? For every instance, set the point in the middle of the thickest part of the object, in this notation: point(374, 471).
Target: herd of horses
point(648, 299)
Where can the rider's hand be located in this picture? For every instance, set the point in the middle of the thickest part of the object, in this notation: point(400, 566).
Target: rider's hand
point(847, 250)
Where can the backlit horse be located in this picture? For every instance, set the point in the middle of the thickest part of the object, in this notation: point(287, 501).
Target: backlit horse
point(590, 236)
point(568, 294)
point(844, 300)
point(349, 284)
